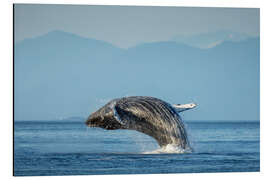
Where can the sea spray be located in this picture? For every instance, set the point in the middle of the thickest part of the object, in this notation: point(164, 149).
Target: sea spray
point(144, 142)
point(169, 149)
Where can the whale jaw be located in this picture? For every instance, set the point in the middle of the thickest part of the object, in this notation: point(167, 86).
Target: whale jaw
point(104, 122)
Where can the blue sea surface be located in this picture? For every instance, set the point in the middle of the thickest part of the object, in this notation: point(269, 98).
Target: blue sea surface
point(70, 148)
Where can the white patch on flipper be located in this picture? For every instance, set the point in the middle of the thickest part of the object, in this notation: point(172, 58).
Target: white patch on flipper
point(184, 107)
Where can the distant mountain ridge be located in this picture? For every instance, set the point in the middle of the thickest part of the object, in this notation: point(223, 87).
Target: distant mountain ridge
point(212, 39)
point(64, 75)
point(73, 119)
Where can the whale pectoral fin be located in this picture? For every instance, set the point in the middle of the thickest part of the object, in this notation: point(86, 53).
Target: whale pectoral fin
point(117, 116)
point(183, 107)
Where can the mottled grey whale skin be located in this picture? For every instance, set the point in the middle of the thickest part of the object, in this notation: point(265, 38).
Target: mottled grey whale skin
point(148, 115)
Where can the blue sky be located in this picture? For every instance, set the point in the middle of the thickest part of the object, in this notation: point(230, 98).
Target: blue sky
point(126, 26)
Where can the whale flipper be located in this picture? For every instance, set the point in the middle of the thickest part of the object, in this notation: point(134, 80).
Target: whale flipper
point(183, 107)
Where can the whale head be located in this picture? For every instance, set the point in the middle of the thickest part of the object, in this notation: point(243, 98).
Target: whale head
point(104, 118)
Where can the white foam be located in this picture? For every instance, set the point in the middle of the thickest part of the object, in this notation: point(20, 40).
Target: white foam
point(169, 149)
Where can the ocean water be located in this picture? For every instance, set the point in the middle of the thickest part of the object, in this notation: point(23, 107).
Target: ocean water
point(60, 148)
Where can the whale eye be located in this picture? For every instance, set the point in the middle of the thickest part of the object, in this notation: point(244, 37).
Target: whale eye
point(107, 110)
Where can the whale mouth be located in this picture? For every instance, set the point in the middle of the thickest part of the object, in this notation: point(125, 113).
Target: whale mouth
point(91, 125)
point(93, 122)
point(103, 123)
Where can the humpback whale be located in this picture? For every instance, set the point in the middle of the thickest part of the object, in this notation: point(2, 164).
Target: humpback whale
point(149, 115)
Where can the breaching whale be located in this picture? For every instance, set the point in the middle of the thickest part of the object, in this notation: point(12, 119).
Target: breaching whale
point(148, 115)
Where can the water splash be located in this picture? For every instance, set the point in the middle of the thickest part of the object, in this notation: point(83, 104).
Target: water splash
point(143, 142)
point(169, 149)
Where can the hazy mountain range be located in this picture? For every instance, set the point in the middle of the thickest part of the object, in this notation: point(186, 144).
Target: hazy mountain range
point(61, 75)
point(212, 39)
